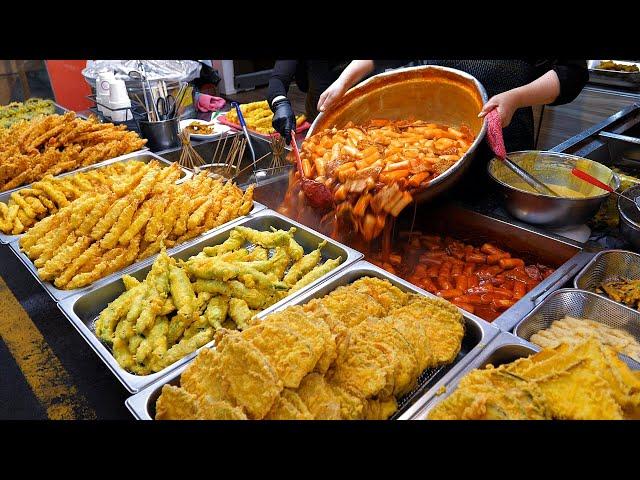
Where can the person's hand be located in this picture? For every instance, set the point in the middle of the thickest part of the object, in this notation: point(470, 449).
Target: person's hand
point(506, 103)
point(331, 95)
point(284, 120)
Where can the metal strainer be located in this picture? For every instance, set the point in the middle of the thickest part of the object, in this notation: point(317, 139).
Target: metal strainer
point(581, 304)
point(608, 265)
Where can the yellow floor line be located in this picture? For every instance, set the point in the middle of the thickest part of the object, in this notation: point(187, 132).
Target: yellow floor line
point(46, 376)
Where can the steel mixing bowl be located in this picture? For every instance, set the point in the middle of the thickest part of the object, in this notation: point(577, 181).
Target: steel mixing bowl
point(552, 169)
point(630, 217)
point(431, 93)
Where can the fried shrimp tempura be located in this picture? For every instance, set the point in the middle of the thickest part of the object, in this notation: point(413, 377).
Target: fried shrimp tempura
point(122, 223)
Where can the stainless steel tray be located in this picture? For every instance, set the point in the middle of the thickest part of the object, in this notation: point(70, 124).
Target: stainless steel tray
point(504, 348)
point(478, 334)
point(581, 304)
point(90, 167)
point(624, 151)
point(58, 294)
point(612, 77)
point(82, 309)
point(608, 265)
point(141, 156)
point(469, 226)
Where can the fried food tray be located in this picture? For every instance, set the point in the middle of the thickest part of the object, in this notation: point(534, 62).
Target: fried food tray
point(141, 156)
point(581, 304)
point(504, 348)
point(613, 77)
point(143, 150)
point(57, 294)
point(608, 265)
point(477, 335)
point(83, 309)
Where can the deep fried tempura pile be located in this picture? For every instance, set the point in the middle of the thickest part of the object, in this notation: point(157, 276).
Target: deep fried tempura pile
point(15, 112)
point(102, 233)
point(59, 143)
point(159, 321)
point(586, 381)
point(348, 355)
point(45, 197)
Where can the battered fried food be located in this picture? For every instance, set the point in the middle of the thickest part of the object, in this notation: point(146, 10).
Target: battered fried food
point(120, 227)
point(574, 330)
point(28, 206)
point(585, 381)
point(179, 306)
point(622, 290)
point(32, 108)
point(55, 144)
point(324, 368)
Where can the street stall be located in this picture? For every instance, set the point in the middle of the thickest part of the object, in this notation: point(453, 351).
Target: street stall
point(356, 274)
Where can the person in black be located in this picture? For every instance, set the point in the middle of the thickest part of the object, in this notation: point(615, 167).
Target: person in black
point(311, 76)
point(513, 87)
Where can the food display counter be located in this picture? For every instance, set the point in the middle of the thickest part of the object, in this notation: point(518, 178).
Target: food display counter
point(240, 303)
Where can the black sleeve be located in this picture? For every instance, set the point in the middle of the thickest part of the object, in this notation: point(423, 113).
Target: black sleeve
point(573, 75)
point(281, 78)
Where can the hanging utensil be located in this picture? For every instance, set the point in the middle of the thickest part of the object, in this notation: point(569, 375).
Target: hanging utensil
point(179, 97)
point(318, 194)
point(146, 79)
point(582, 175)
point(496, 142)
point(138, 76)
point(244, 129)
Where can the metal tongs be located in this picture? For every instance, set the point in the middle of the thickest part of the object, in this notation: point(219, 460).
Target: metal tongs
point(244, 129)
point(496, 142)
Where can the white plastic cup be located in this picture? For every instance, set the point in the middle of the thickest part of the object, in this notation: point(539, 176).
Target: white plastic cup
point(118, 92)
point(119, 98)
point(103, 85)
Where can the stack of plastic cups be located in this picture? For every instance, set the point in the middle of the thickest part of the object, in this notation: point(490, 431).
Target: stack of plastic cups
point(103, 85)
point(119, 99)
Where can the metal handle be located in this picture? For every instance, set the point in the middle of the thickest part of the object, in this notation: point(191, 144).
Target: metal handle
point(246, 132)
point(240, 116)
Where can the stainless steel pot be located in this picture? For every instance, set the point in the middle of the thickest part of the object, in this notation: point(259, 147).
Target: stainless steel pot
point(431, 93)
point(630, 217)
point(553, 169)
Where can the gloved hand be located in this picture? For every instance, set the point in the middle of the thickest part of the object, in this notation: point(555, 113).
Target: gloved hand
point(284, 121)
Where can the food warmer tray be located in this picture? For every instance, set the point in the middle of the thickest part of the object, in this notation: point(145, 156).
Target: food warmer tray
point(82, 309)
point(57, 294)
point(613, 77)
point(140, 155)
point(469, 226)
point(504, 348)
point(581, 304)
point(478, 334)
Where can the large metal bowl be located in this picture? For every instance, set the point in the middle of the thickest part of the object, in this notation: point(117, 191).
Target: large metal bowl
point(553, 169)
point(630, 217)
point(431, 93)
